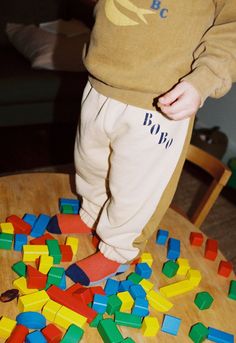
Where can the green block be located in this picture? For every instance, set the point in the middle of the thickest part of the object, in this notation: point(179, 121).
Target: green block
point(128, 319)
point(109, 331)
point(203, 300)
point(54, 276)
point(6, 240)
point(170, 268)
point(198, 333)
point(67, 209)
point(96, 320)
point(113, 304)
point(74, 334)
point(232, 290)
point(19, 268)
point(135, 278)
point(54, 250)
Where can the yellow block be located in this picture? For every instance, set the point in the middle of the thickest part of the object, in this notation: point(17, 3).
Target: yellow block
point(45, 263)
point(65, 317)
point(50, 310)
point(33, 302)
point(6, 327)
point(31, 252)
point(194, 276)
point(21, 285)
point(176, 288)
point(150, 326)
point(158, 301)
point(7, 227)
point(146, 284)
point(183, 266)
point(127, 301)
point(73, 242)
point(146, 257)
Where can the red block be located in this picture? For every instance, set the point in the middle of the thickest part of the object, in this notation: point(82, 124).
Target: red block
point(66, 253)
point(97, 290)
point(41, 240)
point(225, 268)
point(211, 249)
point(84, 294)
point(18, 334)
point(20, 226)
point(35, 279)
point(196, 238)
point(73, 288)
point(52, 333)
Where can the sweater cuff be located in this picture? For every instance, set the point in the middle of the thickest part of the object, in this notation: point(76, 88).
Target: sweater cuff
point(205, 82)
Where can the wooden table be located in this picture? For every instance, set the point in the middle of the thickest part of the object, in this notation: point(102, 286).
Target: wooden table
point(39, 193)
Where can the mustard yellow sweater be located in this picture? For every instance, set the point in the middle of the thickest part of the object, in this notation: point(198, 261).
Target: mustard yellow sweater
point(139, 49)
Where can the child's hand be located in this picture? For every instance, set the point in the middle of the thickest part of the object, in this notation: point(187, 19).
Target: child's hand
point(181, 102)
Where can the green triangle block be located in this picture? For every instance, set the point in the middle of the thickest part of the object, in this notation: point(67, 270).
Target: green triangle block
point(19, 268)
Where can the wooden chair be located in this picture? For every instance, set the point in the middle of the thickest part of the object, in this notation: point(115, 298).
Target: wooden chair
point(220, 174)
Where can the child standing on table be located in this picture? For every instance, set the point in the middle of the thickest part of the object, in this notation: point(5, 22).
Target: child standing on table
point(151, 65)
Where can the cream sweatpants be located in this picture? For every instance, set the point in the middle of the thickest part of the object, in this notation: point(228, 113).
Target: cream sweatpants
point(124, 159)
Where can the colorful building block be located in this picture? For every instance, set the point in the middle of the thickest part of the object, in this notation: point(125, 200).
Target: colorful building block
point(109, 331)
point(146, 284)
point(137, 291)
point(225, 268)
point(111, 286)
point(35, 279)
point(41, 240)
point(7, 325)
point(177, 288)
point(18, 334)
point(73, 242)
point(134, 277)
point(66, 253)
point(19, 268)
point(67, 209)
point(45, 263)
point(50, 310)
point(55, 275)
point(219, 336)
point(52, 333)
point(65, 317)
point(196, 238)
point(31, 252)
point(33, 302)
point(54, 250)
point(20, 226)
point(6, 240)
point(31, 319)
point(194, 276)
point(183, 266)
point(96, 320)
point(40, 225)
point(35, 337)
point(203, 300)
point(74, 203)
point(7, 228)
point(162, 236)
point(211, 249)
point(143, 270)
point(150, 326)
point(171, 325)
point(232, 290)
point(74, 334)
point(100, 303)
point(20, 239)
point(170, 268)
point(29, 218)
point(127, 319)
point(140, 307)
point(158, 301)
point(198, 333)
point(21, 285)
point(146, 257)
point(114, 304)
point(126, 299)
point(173, 249)
point(125, 285)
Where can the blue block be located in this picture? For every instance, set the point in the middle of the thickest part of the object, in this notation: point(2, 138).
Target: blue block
point(32, 320)
point(100, 303)
point(62, 284)
point(20, 239)
point(35, 337)
point(29, 218)
point(111, 287)
point(137, 291)
point(75, 203)
point(40, 225)
point(218, 336)
point(143, 270)
point(140, 307)
point(125, 285)
point(162, 236)
point(171, 325)
point(173, 251)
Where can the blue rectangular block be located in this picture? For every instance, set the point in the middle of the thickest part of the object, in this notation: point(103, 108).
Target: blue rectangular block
point(29, 218)
point(19, 241)
point(143, 270)
point(140, 307)
point(75, 203)
point(111, 287)
point(173, 250)
point(162, 236)
point(171, 325)
point(137, 291)
point(100, 303)
point(40, 225)
point(219, 336)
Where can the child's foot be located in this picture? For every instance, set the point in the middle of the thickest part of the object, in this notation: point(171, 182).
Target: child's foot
point(67, 223)
point(94, 269)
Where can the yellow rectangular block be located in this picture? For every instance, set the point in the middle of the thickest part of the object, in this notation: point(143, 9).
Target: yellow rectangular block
point(183, 266)
point(73, 242)
point(146, 284)
point(31, 252)
point(7, 228)
point(176, 288)
point(21, 285)
point(194, 276)
point(6, 327)
point(150, 326)
point(146, 257)
point(65, 317)
point(158, 301)
point(50, 310)
point(127, 301)
point(33, 302)
point(45, 263)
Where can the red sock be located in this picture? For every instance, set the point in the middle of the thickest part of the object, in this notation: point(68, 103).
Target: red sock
point(67, 223)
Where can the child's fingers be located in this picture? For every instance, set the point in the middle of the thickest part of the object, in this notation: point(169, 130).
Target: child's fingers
point(172, 95)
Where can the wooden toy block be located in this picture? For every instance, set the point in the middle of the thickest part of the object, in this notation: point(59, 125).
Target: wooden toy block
point(211, 249)
point(162, 236)
point(65, 317)
point(73, 242)
point(158, 301)
point(232, 290)
point(114, 304)
point(137, 291)
point(177, 288)
point(29, 218)
point(66, 253)
point(97, 290)
point(96, 320)
point(147, 285)
point(32, 320)
point(143, 270)
point(225, 268)
point(31, 252)
point(194, 276)
point(40, 225)
point(6, 240)
point(150, 326)
point(134, 277)
point(54, 250)
point(126, 299)
point(173, 249)
point(20, 226)
point(100, 303)
point(21, 285)
point(67, 209)
point(55, 275)
point(171, 325)
point(109, 332)
point(62, 284)
point(41, 240)
point(219, 336)
point(125, 285)
point(196, 238)
point(74, 203)
point(50, 310)
point(52, 333)
point(32, 302)
point(203, 300)
point(170, 268)
point(74, 334)
point(128, 319)
point(7, 325)
point(20, 240)
point(35, 336)
point(45, 263)
point(198, 333)
point(18, 334)
point(183, 266)
point(19, 268)
point(73, 288)
point(7, 228)
point(146, 257)
point(84, 294)
point(35, 279)
point(111, 286)
point(140, 307)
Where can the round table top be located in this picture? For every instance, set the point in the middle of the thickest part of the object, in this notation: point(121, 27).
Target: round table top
point(39, 193)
